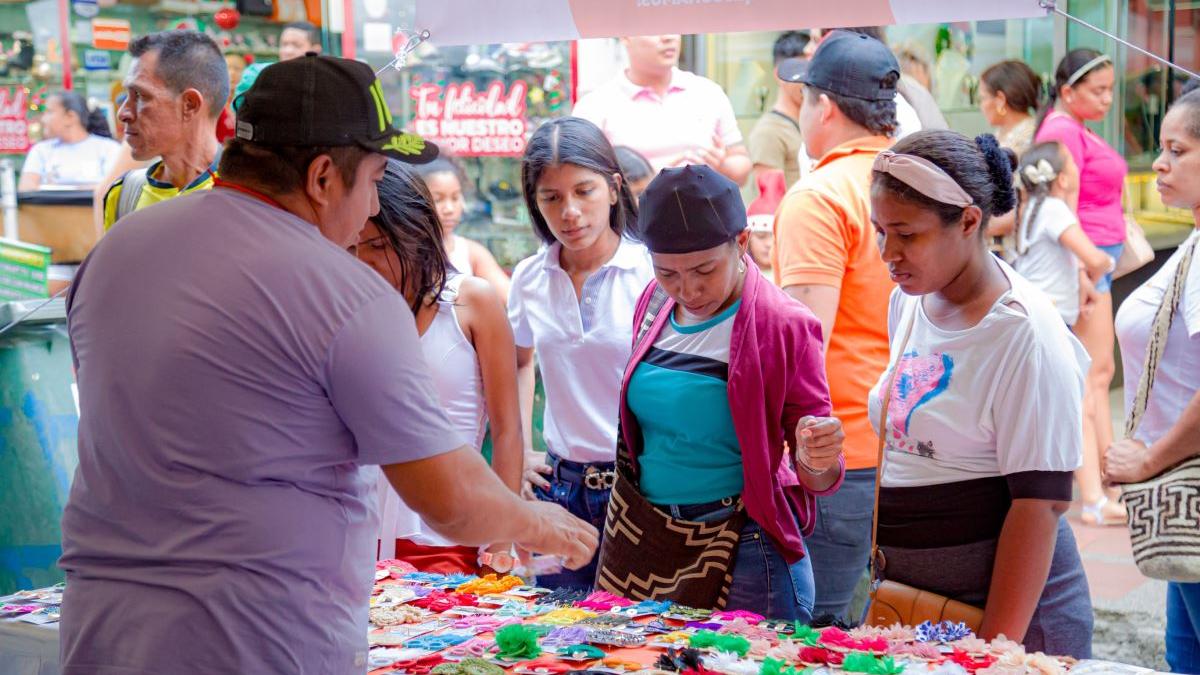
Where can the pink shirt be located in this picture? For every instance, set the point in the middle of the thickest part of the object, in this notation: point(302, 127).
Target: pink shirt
point(686, 118)
point(1101, 177)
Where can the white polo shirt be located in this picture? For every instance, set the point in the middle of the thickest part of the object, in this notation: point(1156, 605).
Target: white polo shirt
point(582, 344)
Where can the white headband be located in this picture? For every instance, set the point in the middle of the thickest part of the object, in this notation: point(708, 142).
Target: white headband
point(1087, 68)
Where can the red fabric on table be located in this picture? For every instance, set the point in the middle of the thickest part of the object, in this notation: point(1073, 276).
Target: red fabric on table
point(438, 559)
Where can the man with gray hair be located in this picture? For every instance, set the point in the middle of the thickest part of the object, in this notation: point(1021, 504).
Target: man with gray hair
point(176, 88)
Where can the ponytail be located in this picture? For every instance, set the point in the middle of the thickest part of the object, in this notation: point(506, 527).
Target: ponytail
point(92, 120)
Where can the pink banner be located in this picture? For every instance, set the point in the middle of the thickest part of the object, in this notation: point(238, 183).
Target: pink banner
point(541, 20)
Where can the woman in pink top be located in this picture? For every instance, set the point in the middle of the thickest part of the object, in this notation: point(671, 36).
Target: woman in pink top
point(1083, 91)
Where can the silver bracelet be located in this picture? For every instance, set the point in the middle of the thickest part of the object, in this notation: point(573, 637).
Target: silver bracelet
point(809, 469)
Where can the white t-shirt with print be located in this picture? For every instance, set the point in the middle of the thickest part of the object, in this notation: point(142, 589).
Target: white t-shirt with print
point(1045, 262)
point(1178, 375)
point(1002, 397)
point(84, 163)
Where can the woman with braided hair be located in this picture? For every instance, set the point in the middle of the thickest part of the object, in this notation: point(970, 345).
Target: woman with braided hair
point(981, 404)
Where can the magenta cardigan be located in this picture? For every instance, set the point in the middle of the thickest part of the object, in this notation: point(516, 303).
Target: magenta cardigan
point(776, 376)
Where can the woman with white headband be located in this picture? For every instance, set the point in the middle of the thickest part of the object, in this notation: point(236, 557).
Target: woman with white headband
point(980, 409)
point(1083, 92)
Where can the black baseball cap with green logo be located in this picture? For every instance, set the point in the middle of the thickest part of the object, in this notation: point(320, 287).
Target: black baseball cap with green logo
point(325, 101)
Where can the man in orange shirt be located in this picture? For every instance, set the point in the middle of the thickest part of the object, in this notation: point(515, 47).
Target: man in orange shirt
point(825, 256)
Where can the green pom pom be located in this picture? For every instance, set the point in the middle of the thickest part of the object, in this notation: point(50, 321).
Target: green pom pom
point(806, 634)
point(861, 662)
point(582, 650)
point(517, 642)
point(735, 644)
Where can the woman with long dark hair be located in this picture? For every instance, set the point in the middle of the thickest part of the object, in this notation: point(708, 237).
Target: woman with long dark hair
point(572, 303)
point(78, 149)
point(981, 404)
point(1083, 92)
point(468, 347)
point(1009, 94)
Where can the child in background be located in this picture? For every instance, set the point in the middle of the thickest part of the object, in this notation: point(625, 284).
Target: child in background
point(636, 168)
point(1050, 247)
point(760, 216)
point(445, 181)
point(1050, 244)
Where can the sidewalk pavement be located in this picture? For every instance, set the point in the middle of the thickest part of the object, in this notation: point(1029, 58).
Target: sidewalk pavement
point(1130, 608)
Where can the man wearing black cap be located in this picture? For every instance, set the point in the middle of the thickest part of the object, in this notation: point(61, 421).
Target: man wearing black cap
point(825, 255)
point(240, 374)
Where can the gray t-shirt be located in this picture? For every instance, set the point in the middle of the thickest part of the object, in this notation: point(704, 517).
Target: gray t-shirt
point(238, 373)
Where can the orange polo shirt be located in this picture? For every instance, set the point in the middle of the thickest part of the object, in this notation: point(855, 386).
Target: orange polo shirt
point(823, 237)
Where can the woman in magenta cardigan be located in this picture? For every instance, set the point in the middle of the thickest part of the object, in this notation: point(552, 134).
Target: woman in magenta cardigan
point(724, 401)
point(1083, 92)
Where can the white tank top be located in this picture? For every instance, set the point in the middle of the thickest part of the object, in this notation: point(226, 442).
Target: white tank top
point(458, 381)
point(460, 257)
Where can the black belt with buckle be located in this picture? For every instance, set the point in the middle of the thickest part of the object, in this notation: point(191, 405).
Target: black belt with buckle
point(597, 476)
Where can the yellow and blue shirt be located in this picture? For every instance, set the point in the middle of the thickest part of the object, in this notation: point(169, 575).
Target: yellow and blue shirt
point(155, 190)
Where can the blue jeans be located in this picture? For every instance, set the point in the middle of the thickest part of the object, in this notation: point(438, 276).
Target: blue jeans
point(763, 582)
point(583, 502)
point(1105, 283)
point(840, 546)
point(1183, 627)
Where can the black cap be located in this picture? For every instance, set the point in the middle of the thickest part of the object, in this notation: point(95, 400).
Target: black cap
point(325, 101)
point(692, 208)
point(847, 64)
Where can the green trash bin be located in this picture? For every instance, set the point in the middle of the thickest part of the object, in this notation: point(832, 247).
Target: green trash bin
point(39, 419)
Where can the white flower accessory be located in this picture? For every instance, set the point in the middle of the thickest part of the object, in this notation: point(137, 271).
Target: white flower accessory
point(1040, 173)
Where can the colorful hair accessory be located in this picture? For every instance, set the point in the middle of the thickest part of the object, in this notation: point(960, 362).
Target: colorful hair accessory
point(546, 664)
point(396, 615)
point(603, 601)
point(517, 642)
point(806, 634)
point(689, 613)
point(476, 647)
point(915, 650)
point(582, 650)
point(1020, 663)
point(467, 667)
point(776, 667)
point(564, 596)
point(617, 662)
point(520, 609)
point(420, 665)
point(652, 606)
point(945, 631)
point(730, 615)
point(489, 584)
point(971, 663)
point(437, 642)
point(605, 620)
point(482, 623)
point(741, 627)
point(396, 569)
point(788, 650)
point(972, 645)
point(894, 632)
point(564, 636)
point(607, 636)
point(702, 625)
point(819, 656)
point(698, 671)
point(440, 601)
point(1002, 645)
point(722, 643)
point(859, 662)
point(759, 648)
point(730, 664)
point(565, 616)
point(679, 660)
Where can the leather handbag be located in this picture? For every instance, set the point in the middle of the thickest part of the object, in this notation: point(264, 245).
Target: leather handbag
point(1136, 253)
point(893, 602)
point(1164, 512)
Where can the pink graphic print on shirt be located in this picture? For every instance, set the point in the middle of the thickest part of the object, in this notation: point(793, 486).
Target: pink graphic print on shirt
point(921, 379)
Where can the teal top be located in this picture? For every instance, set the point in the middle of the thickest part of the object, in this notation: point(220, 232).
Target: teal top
point(679, 395)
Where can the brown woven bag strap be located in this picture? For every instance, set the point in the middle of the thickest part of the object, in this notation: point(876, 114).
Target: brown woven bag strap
point(1158, 338)
point(885, 400)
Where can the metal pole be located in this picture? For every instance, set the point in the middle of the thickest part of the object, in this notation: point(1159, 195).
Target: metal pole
point(1170, 50)
point(1050, 5)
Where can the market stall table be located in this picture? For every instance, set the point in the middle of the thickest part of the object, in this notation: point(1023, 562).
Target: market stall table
point(28, 649)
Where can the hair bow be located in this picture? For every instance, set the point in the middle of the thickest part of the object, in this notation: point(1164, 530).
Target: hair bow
point(1040, 173)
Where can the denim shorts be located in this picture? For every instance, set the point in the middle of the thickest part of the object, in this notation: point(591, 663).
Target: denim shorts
point(1105, 283)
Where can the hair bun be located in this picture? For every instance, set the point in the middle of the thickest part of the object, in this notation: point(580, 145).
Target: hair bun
point(999, 163)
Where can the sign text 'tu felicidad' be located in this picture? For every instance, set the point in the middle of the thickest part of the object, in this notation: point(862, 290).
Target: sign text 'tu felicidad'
point(467, 122)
